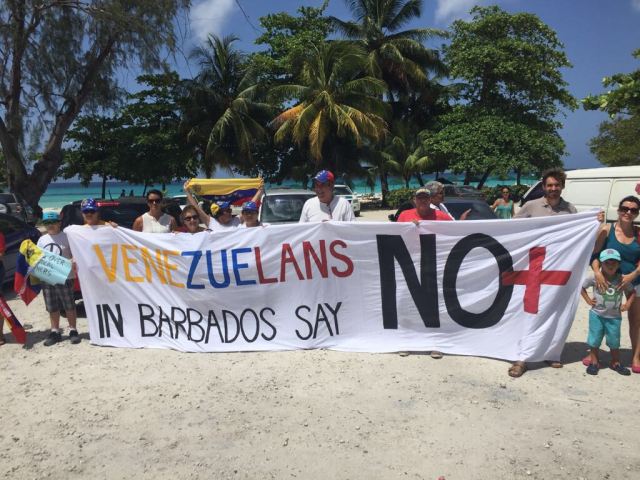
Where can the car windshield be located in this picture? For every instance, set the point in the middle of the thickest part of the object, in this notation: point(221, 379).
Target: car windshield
point(7, 198)
point(342, 191)
point(283, 208)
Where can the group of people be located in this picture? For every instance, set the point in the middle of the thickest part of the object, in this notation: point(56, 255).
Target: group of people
point(615, 262)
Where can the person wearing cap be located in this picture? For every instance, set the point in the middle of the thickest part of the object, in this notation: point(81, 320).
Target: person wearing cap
point(155, 220)
point(250, 215)
point(91, 214)
point(221, 218)
point(423, 210)
point(437, 199)
point(325, 205)
point(58, 297)
point(605, 316)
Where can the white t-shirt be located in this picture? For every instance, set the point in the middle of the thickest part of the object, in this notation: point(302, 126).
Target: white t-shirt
point(58, 244)
point(338, 209)
point(442, 207)
point(216, 226)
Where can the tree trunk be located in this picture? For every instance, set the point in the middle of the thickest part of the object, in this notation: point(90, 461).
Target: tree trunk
point(518, 176)
point(406, 181)
point(384, 185)
point(484, 178)
point(104, 185)
point(420, 180)
point(467, 178)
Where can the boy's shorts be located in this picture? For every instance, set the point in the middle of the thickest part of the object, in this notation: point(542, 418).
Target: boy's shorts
point(59, 297)
point(602, 326)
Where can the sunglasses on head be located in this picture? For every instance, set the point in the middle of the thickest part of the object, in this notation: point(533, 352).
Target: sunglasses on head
point(154, 200)
point(631, 210)
point(191, 217)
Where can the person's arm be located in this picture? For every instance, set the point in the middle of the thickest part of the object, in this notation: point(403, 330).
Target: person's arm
point(587, 298)
point(137, 225)
point(513, 209)
point(204, 218)
point(630, 299)
point(172, 225)
point(495, 205)
point(601, 282)
point(349, 216)
point(258, 196)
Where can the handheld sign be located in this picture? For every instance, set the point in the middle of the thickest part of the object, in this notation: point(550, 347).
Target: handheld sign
point(47, 266)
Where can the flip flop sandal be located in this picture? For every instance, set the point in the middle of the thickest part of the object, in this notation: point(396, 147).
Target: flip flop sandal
point(620, 369)
point(635, 368)
point(516, 371)
point(586, 361)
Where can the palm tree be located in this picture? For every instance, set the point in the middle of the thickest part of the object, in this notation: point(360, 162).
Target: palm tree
point(334, 105)
point(224, 115)
point(397, 57)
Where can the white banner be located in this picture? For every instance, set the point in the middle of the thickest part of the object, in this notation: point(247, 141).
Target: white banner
point(503, 289)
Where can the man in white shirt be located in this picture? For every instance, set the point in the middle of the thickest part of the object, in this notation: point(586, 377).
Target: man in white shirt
point(325, 205)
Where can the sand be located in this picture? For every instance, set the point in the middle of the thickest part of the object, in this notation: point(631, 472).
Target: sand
point(81, 411)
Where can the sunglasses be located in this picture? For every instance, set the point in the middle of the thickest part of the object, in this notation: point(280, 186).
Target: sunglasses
point(193, 217)
point(632, 211)
point(155, 201)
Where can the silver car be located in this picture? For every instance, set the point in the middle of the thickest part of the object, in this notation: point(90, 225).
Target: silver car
point(283, 205)
point(10, 205)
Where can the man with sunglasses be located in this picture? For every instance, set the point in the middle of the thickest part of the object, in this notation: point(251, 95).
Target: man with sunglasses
point(154, 221)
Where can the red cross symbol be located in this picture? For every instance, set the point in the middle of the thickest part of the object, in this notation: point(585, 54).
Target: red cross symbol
point(534, 278)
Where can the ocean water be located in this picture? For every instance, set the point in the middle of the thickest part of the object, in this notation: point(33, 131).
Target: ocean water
point(62, 193)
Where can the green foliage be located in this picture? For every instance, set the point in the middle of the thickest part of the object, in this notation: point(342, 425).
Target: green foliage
point(512, 90)
point(224, 115)
point(63, 57)
point(623, 96)
point(289, 38)
point(399, 196)
point(334, 103)
point(618, 142)
point(142, 143)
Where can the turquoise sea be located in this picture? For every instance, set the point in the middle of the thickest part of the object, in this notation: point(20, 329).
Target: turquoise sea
point(59, 194)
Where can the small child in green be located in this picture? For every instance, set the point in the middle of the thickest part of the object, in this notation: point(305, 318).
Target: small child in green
point(605, 315)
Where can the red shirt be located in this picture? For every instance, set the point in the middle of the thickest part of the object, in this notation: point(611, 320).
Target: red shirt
point(411, 215)
point(3, 245)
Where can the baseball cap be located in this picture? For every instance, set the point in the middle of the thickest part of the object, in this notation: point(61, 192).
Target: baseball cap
point(250, 207)
point(324, 176)
point(88, 205)
point(423, 191)
point(50, 217)
point(609, 254)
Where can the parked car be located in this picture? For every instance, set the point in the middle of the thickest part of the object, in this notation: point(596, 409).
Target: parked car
point(11, 205)
point(180, 200)
point(457, 206)
point(283, 205)
point(591, 188)
point(346, 192)
point(14, 231)
point(123, 211)
point(467, 191)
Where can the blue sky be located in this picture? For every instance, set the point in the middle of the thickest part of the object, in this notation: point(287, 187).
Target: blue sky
point(598, 35)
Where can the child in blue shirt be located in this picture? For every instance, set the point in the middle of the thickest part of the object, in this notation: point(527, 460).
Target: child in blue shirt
point(605, 315)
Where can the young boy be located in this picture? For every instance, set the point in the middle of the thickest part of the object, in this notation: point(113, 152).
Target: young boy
point(58, 297)
point(605, 314)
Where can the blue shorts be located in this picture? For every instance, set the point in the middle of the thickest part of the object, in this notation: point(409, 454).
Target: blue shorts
point(600, 327)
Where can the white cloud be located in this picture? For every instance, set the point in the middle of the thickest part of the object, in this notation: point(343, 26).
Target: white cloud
point(210, 16)
point(636, 4)
point(448, 10)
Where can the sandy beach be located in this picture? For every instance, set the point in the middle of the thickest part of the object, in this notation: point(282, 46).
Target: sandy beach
point(81, 411)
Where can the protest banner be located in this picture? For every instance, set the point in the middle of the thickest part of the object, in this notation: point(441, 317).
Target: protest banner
point(504, 289)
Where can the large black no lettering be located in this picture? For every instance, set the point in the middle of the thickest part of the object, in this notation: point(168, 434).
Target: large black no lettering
point(494, 313)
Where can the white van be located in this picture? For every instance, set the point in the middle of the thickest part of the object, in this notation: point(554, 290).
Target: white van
point(595, 188)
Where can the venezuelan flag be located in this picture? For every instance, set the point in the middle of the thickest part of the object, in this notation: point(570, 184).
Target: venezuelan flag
point(24, 284)
point(16, 327)
point(234, 190)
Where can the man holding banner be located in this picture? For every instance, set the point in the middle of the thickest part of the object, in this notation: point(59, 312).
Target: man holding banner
point(550, 204)
point(58, 297)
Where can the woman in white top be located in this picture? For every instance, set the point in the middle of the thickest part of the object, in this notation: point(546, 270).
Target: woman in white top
point(154, 221)
point(221, 218)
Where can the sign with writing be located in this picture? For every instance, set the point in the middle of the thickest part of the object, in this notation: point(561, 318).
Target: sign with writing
point(46, 266)
point(504, 289)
